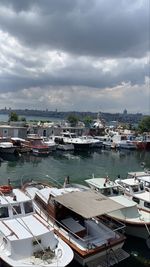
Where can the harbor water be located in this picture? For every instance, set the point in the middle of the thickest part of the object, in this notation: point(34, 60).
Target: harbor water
point(80, 166)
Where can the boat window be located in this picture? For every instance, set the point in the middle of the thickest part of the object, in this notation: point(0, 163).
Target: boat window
point(4, 212)
point(107, 192)
point(115, 191)
point(28, 207)
point(102, 191)
point(147, 204)
point(141, 186)
point(36, 242)
point(135, 188)
point(16, 209)
point(135, 199)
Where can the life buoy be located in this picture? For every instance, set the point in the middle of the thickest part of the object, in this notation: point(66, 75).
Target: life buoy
point(5, 189)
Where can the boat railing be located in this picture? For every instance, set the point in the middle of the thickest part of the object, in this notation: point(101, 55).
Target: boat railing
point(25, 179)
point(60, 228)
point(113, 223)
point(89, 241)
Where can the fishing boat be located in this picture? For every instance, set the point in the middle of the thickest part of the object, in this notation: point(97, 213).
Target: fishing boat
point(134, 190)
point(7, 147)
point(49, 141)
point(19, 143)
point(77, 142)
point(62, 143)
point(137, 221)
point(75, 215)
point(143, 177)
point(36, 145)
point(26, 239)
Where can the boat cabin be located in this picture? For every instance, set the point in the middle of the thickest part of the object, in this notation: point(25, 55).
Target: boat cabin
point(134, 189)
point(104, 186)
point(15, 205)
point(143, 177)
point(24, 235)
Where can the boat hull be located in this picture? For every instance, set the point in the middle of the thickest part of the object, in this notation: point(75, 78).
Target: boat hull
point(88, 258)
point(135, 229)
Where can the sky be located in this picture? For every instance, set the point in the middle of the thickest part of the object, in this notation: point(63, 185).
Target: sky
point(75, 55)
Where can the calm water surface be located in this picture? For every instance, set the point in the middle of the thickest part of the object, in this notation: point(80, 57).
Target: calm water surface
point(81, 166)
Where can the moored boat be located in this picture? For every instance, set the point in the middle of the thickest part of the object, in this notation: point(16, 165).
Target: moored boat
point(137, 221)
point(26, 239)
point(76, 217)
point(36, 145)
point(143, 177)
point(134, 189)
point(7, 147)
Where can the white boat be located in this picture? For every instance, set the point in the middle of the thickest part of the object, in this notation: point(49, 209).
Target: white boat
point(26, 239)
point(62, 143)
point(65, 147)
point(134, 189)
point(73, 213)
point(7, 147)
point(143, 177)
point(95, 142)
point(49, 141)
point(78, 142)
point(137, 221)
point(123, 141)
point(126, 144)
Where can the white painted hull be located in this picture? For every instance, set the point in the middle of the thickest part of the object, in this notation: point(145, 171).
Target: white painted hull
point(64, 260)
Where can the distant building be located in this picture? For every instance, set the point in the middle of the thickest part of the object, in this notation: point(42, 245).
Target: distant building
point(125, 112)
point(13, 131)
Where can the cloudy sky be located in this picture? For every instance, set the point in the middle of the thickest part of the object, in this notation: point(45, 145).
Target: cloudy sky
point(85, 55)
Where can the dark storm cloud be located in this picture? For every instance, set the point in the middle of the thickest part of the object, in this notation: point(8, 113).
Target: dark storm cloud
point(95, 27)
point(58, 53)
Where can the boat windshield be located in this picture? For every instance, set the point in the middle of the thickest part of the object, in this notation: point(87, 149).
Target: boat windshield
point(28, 207)
point(16, 209)
point(135, 188)
point(4, 212)
point(147, 204)
point(115, 190)
point(106, 192)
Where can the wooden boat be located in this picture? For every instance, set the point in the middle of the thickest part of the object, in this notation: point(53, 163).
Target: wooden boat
point(26, 239)
point(74, 212)
point(20, 144)
point(36, 145)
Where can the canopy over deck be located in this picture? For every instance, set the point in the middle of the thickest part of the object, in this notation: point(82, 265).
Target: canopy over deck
point(88, 203)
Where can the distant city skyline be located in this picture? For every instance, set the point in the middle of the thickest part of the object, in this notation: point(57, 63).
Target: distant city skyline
point(75, 55)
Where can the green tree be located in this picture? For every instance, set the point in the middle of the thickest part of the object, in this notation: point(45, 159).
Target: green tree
point(144, 124)
point(23, 119)
point(87, 120)
point(13, 116)
point(73, 119)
